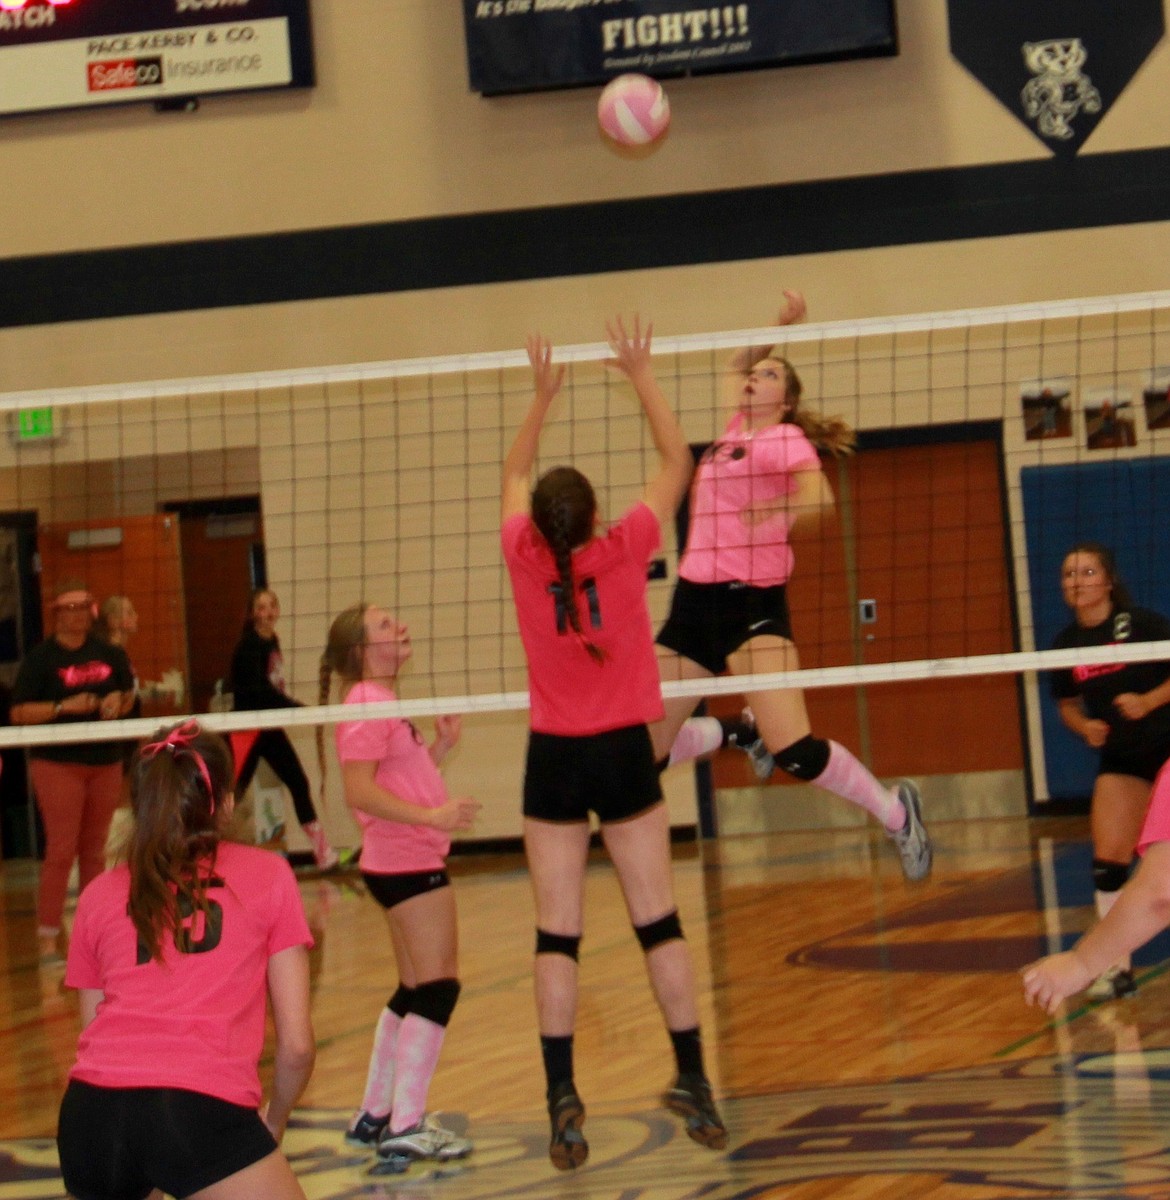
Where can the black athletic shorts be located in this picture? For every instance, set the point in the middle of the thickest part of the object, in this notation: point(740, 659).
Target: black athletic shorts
point(709, 621)
point(1141, 760)
point(122, 1143)
point(613, 774)
point(390, 890)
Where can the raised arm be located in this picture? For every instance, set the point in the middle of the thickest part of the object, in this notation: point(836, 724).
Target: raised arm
point(746, 357)
point(631, 356)
point(546, 380)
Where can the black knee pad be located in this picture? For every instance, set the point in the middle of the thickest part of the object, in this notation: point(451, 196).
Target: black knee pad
point(435, 1000)
point(1109, 876)
point(400, 1003)
point(665, 929)
point(557, 943)
point(806, 759)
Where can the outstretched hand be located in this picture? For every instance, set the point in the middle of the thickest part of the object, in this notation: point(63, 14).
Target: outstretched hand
point(1048, 981)
point(794, 308)
point(546, 378)
point(631, 351)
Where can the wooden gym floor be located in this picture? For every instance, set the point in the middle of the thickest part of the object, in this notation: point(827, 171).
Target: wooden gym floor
point(867, 1038)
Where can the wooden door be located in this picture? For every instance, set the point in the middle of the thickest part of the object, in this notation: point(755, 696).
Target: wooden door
point(932, 554)
point(920, 533)
point(218, 556)
point(137, 557)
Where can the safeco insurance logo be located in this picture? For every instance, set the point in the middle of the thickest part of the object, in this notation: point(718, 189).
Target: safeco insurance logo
point(124, 73)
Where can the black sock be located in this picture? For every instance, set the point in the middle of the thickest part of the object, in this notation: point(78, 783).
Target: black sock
point(688, 1050)
point(737, 732)
point(558, 1060)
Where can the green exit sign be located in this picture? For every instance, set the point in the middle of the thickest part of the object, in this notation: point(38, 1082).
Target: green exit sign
point(34, 425)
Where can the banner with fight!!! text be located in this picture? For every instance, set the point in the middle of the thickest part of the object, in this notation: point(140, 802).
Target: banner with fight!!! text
point(532, 45)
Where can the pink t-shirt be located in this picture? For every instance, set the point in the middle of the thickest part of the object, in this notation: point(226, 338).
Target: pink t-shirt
point(197, 1020)
point(1156, 827)
point(740, 469)
point(407, 771)
point(570, 693)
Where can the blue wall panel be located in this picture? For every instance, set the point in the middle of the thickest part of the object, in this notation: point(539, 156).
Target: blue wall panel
point(1125, 505)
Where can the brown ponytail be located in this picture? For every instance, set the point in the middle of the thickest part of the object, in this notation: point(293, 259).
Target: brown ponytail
point(171, 847)
point(563, 509)
point(343, 654)
point(826, 433)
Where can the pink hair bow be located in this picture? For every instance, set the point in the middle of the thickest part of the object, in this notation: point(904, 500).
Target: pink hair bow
point(179, 740)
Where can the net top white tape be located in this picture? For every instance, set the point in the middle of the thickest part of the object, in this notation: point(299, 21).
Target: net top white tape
point(504, 360)
point(847, 676)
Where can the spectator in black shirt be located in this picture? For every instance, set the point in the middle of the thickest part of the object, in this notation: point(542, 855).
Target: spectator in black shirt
point(72, 676)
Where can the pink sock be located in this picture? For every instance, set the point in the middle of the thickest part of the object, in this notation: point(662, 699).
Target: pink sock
point(850, 780)
point(380, 1077)
point(698, 736)
point(419, 1043)
point(323, 852)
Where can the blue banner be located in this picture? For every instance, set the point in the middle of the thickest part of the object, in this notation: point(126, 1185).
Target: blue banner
point(1058, 65)
point(533, 45)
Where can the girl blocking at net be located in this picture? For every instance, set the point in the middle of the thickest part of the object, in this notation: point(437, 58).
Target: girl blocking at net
point(257, 681)
point(580, 593)
point(1142, 909)
point(396, 794)
point(729, 612)
point(1123, 710)
point(173, 953)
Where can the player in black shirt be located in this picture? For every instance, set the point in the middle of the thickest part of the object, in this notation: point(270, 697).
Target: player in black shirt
point(257, 681)
point(1121, 709)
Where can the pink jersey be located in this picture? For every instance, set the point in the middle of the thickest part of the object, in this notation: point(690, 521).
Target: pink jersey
point(570, 693)
point(1156, 827)
point(744, 468)
point(197, 1020)
point(406, 770)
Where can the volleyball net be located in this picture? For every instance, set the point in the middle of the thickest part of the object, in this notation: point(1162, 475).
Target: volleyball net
point(989, 441)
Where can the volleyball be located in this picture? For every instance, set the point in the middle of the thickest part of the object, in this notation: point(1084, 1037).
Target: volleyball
point(633, 110)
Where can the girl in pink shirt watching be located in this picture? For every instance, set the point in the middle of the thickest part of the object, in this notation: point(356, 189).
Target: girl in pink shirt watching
point(173, 953)
point(729, 613)
point(396, 794)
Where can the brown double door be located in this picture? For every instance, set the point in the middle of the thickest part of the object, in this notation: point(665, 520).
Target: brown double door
point(915, 567)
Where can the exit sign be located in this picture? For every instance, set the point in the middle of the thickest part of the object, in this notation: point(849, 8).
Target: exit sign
point(34, 425)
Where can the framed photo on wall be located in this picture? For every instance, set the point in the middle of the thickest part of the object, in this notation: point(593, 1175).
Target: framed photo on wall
point(1156, 398)
point(1046, 408)
point(1109, 421)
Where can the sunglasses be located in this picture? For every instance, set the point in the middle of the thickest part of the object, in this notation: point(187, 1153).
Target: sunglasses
point(74, 607)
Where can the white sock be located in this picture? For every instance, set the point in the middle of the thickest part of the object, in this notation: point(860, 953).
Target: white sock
point(419, 1043)
point(698, 736)
point(380, 1076)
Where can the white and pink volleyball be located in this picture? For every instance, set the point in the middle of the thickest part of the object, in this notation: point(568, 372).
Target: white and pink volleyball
point(633, 110)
